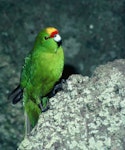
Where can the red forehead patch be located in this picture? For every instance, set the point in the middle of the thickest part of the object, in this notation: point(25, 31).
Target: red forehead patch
point(54, 33)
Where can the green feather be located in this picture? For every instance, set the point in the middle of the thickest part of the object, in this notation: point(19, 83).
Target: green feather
point(33, 112)
point(42, 69)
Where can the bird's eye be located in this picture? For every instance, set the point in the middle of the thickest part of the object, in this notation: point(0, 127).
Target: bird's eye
point(55, 35)
point(46, 38)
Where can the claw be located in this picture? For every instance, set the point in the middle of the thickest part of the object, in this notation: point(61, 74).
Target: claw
point(44, 105)
point(58, 87)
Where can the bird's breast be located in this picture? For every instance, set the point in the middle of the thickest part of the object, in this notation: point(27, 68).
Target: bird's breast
point(51, 70)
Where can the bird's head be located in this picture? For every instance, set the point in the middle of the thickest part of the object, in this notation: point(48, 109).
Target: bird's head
point(54, 34)
point(49, 38)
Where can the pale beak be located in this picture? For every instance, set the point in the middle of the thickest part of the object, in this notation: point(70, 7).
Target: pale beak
point(58, 39)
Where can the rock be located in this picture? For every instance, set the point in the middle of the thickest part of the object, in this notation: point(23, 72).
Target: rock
point(89, 114)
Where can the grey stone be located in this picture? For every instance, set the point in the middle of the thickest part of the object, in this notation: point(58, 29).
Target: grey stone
point(89, 114)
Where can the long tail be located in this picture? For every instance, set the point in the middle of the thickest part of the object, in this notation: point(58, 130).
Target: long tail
point(16, 95)
point(33, 111)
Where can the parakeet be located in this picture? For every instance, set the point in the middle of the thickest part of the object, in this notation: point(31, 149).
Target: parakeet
point(43, 67)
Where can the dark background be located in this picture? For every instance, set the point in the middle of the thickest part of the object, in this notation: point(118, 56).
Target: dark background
point(93, 33)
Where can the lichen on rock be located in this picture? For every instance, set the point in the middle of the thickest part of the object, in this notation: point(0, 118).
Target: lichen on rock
point(88, 114)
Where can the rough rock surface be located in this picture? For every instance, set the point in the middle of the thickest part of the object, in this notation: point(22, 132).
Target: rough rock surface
point(89, 114)
point(93, 32)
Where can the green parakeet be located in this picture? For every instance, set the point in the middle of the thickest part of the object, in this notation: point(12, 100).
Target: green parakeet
point(43, 67)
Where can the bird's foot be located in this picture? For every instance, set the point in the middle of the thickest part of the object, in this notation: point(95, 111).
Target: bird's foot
point(44, 105)
point(58, 87)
